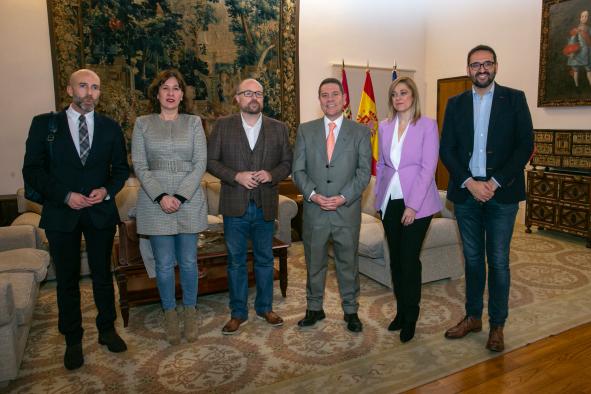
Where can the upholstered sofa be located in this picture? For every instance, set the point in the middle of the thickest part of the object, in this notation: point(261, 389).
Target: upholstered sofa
point(30, 213)
point(441, 255)
point(22, 268)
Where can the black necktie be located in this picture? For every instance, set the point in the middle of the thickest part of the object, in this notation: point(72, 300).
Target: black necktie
point(84, 139)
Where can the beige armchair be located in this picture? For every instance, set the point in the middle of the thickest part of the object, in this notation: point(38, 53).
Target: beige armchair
point(22, 268)
point(441, 255)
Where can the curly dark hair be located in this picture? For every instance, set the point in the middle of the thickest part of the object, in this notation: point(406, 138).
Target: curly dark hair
point(162, 77)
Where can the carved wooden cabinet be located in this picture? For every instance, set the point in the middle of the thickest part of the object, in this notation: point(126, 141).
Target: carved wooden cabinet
point(559, 201)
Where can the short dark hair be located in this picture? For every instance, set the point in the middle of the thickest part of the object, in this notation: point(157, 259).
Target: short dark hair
point(162, 77)
point(326, 81)
point(481, 47)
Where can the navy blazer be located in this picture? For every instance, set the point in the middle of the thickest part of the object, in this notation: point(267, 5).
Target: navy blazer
point(509, 143)
point(106, 166)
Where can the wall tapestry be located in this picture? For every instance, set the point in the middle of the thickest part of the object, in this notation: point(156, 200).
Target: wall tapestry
point(214, 44)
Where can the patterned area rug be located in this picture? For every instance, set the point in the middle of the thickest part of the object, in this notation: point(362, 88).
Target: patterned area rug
point(551, 292)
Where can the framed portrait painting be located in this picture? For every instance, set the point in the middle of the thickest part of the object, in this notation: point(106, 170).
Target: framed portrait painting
point(565, 54)
point(213, 43)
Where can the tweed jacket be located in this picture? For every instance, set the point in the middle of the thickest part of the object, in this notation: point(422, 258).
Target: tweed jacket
point(170, 157)
point(347, 174)
point(106, 167)
point(509, 144)
point(230, 153)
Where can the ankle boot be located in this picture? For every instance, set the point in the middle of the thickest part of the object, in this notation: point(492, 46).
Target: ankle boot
point(171, 326)
point(190, 323)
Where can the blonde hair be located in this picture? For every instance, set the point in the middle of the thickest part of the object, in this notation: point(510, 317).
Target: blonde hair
point(416, 104)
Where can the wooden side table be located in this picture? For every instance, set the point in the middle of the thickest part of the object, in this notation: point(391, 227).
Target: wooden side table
point(136, 288)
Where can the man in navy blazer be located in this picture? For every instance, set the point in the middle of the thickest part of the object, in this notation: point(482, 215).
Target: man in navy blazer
point(486, 141)
point(79, 179)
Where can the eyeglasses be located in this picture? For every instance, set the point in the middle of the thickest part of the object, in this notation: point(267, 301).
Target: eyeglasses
point(476, 65)
point(402, 94)
point(250, 93)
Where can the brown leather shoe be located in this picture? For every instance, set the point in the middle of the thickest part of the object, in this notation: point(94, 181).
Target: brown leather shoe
point(272, 318)
point(467, 325)
point(233, 326)
point(496, 340)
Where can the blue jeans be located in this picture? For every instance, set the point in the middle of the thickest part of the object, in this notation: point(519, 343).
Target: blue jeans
point(169, 249)
point(487, 228)
point(237, 232)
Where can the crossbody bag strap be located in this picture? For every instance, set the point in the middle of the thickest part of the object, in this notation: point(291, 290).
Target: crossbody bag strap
point(52, 126)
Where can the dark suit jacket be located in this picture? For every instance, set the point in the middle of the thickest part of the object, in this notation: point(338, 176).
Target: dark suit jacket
point(228, 153)
point(508, 148)
point(106, 166)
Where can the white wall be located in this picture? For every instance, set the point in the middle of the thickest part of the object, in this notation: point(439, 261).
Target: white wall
point(27, 81)
point(513, 29)
point(378, 31)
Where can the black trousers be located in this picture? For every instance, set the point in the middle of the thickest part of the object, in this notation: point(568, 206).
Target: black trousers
point(405, 244)
point(64, 248)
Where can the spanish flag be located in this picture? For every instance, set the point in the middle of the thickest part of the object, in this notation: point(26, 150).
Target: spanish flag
point(367, 115)
point(347, 104)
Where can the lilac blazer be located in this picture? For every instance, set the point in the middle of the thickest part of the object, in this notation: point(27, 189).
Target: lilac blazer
point(418, 162)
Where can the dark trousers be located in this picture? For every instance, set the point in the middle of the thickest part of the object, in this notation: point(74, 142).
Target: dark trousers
point(64, 248)
point(486, 230)
point(404, 243)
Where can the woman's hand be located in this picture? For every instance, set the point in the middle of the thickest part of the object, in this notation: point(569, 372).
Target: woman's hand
point(170, 204)
point(408, 216)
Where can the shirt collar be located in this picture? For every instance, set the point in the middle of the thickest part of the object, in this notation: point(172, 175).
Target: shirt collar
point(489, 93)
point(72, 113)
point(338, 121)
point(258, 123)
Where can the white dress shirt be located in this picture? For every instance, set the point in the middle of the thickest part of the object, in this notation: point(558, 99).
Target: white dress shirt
point(395, 188)
point(74, 125)
point(252, 133)
point(338, 121)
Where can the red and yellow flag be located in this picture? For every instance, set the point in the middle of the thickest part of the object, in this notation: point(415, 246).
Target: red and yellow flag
point(367, 115)
point(347, 104)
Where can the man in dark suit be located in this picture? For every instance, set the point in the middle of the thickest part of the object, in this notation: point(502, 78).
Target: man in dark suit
point(251, 154)
point(79, 180)
point(486, 141)
point(332, 167)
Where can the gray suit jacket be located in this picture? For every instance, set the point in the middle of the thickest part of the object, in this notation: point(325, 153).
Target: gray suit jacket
point(347, 173)
point(229, 153)
point(170, 157)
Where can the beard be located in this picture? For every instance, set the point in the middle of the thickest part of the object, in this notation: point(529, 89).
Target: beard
point(253, 107)
point(87, 103)
point(485, 84)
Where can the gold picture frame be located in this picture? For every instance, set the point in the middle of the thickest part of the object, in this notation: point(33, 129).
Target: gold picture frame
point(565, 54)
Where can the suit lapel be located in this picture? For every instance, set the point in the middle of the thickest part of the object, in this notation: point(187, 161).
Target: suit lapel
point(241, 138)
point(264, 137)
point(319, 138)
point(497, 104)
point(63, 126)
point(468, 107)
point(388, 137)
point(97, 137)
point(342, 140)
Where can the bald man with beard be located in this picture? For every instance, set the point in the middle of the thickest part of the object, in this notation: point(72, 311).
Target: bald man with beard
point(251, 154)
point(78, 180)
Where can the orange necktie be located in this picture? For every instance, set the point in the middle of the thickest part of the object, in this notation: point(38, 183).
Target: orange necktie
point(330, 140)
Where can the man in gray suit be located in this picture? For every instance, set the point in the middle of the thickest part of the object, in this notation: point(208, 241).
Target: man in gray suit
point(251, 154)
point(332, 167)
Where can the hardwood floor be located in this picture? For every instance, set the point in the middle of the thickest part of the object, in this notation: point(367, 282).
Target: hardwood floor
point(558, 364)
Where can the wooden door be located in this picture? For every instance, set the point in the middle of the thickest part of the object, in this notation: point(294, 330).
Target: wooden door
point(446, 88)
